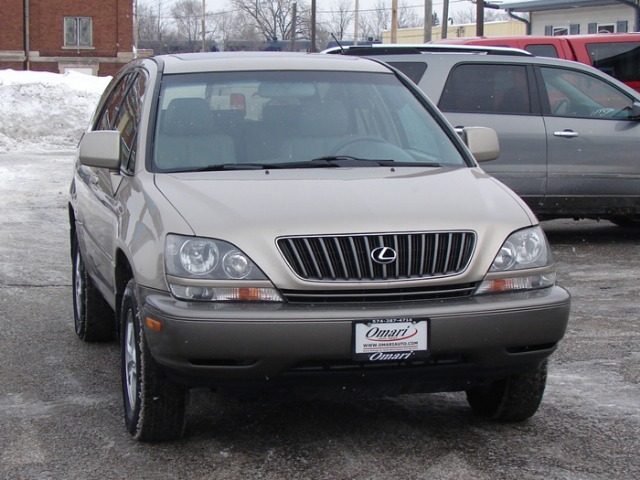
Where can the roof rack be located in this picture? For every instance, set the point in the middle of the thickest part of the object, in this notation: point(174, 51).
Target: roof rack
point(399, 49)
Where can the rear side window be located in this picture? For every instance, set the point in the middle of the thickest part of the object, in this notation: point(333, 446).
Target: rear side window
point(487, 88)
point(413, 70)
point(620, 59)
point(542, 50)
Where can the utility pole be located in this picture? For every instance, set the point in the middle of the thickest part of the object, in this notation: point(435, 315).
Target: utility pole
point(355, 24)
point(204, 12)
point(444, 23)
point(313, 26)
point(480, 18)
point(394, 21)
point(428, 20)
point(294, 27)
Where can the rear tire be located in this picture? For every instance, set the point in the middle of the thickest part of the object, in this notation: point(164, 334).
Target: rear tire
point(513, 399)
point(154, 407)
point(93, 317)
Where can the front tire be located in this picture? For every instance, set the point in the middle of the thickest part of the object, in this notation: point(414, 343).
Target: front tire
point(93, 317)
point(154, 407)
point(626, 222)
point(513, 399)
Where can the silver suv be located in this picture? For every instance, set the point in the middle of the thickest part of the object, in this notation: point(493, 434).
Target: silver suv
point(275, 220)
point(569, 133)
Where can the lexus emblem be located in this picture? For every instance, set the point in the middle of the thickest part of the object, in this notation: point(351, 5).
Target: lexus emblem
point(384, 255)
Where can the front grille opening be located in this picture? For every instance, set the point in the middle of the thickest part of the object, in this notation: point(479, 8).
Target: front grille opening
point(222, 362)
point(531, 348)
point(343, 258)
point(355, 296)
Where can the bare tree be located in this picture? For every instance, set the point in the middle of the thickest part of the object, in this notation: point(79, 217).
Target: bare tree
point(463, 16)
point(408, 17)
point(272, 17)
point(378, 19)
point(233, 26)
point(152, 25)
point(187, 15)
point(341, 17)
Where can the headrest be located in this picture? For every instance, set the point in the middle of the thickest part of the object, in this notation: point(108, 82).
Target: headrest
point(187, 117)
point(323, 119)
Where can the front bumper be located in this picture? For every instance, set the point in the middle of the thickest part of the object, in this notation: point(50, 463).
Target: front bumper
point(472, 341)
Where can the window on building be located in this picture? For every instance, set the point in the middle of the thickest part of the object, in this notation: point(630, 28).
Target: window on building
point(557, 31)
point(78, 32)
point(617, 27)
point(606, 28)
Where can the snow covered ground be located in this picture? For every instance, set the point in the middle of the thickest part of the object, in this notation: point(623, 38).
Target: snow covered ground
point(41, 111)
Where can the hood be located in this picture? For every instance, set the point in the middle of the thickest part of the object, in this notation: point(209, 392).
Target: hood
point(251, 209)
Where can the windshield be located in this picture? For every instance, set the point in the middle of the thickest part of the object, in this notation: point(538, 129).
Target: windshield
point(238, 120)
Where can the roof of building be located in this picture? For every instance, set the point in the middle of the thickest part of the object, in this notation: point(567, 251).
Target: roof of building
point(540, 5)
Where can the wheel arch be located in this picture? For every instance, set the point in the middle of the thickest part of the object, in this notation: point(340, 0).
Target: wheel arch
point(123, 273)
point(72, 230)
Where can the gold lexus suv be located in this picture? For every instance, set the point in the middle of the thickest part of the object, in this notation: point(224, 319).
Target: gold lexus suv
point(277, 220)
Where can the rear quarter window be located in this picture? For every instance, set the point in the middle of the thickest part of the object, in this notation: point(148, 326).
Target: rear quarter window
point(413, 70)
point(619, 59)
point(542, 50)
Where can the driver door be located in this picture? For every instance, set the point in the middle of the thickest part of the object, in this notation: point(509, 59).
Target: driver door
point(594, 149)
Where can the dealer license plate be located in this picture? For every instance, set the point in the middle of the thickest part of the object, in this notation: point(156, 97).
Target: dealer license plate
point(390, 339)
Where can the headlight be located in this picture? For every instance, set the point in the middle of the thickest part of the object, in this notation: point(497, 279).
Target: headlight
point(213, 270)
point(524, 249)
point(199, 256)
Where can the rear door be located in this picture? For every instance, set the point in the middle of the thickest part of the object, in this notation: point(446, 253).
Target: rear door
point(502, 96)
point(594, 148)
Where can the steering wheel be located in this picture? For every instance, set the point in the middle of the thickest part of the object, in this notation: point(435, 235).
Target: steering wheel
point(351, 141)
point(561, 107)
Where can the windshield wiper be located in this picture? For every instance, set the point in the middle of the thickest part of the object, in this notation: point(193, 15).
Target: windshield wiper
point(231, 166)
point(348, 161)
point(329, 161)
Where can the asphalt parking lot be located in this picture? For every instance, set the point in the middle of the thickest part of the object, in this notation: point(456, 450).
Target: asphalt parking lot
point(60, 405)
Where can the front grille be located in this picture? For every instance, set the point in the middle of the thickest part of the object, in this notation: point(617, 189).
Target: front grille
point(415, 294)
point(349, 257)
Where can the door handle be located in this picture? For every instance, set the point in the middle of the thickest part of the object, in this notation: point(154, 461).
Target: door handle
point(566, 134)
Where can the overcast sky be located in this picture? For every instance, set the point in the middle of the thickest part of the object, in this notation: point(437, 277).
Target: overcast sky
point(325, 5)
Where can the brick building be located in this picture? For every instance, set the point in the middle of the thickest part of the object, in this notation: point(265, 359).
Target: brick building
point(63, 35)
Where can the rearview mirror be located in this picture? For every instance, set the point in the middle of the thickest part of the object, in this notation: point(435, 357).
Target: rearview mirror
point(100, 149)
point(482, 142)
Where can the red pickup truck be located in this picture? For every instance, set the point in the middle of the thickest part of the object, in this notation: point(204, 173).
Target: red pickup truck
point(617, 54)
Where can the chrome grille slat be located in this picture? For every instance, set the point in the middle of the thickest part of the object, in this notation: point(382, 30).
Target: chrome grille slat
point(380, 296)
point(347, 258)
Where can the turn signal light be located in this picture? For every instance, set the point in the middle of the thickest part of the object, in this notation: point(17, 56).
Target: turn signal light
point(153, 324)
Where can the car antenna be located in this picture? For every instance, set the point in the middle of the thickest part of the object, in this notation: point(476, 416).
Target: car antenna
point(338, 42)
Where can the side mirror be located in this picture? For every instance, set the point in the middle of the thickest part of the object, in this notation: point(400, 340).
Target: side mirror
point(482, 142)
point(100, 149)
point(634, 114)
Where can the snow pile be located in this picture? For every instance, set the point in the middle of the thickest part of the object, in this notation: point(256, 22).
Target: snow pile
point(41, 111)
